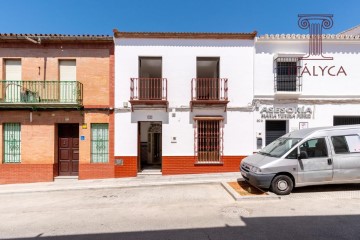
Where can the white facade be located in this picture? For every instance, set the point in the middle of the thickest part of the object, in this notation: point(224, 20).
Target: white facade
point(326, 96)
point(327, 89)
point(179, 67)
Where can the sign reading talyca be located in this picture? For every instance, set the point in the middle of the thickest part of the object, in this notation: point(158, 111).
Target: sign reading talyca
point(286, 112)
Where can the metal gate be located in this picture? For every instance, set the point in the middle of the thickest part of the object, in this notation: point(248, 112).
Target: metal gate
point(274, 130)
point(346, 120)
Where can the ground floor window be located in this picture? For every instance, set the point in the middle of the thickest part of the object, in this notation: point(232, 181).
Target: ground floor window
point(12, 143)
point(208, 140)
point(99, 142)
point(346, 120)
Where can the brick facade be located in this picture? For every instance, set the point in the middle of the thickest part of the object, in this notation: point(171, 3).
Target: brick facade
point(39, 144)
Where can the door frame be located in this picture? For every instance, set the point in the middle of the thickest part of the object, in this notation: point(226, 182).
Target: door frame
point(57, 135)
point(139, 167)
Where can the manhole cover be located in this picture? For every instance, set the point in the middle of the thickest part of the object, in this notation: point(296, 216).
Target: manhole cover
point(234, 212)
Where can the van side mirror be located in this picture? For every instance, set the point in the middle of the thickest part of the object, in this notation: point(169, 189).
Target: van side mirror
point(303, 155)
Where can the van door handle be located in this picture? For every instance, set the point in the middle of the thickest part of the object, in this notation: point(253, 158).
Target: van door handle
point(329, 161)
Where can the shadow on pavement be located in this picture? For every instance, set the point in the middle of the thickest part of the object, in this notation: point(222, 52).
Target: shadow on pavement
point(299, 227)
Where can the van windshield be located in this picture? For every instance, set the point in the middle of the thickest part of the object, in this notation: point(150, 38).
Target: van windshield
point(279, 147)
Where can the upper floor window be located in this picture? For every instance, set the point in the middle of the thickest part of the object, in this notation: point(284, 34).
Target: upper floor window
point(287, 74)
point(207, 79)
point(150, 82)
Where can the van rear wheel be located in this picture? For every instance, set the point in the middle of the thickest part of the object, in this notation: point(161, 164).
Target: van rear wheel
point(282, 185)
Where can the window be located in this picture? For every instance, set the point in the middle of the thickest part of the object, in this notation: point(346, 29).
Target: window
point(346, 120)
point(287, 74)
point(99, 143)
point(12, 143)
point(150, 78)
point(68, 87)
point(346, 144)
point(207, 82)
point(208, 141)
point(13, 87)
point(315, 148)
point(279, 147)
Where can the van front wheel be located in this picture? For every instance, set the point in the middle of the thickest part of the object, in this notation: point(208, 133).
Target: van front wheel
point(282, 185)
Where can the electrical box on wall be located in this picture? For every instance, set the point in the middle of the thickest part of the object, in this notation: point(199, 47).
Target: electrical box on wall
point(258, 143)
point(259, 134)
point(173, 140)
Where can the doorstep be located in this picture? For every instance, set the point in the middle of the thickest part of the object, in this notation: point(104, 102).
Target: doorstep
point(65, 178)
point(150, 172)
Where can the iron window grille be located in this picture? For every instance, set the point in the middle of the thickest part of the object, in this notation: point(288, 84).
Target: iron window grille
point(99, 143)
point(287, 76)
point(12, 143)
point(208, 140)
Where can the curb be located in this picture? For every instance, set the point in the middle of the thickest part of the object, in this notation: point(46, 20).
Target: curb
point(113, 186)
point(238, 197)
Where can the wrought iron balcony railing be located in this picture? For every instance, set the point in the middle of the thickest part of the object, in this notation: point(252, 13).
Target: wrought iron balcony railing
point(148, 89)
point(41, 93)
point(215, 89)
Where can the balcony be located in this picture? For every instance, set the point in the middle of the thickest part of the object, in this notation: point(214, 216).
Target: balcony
point(209, 92)
point(148, 93)
point(41, 94)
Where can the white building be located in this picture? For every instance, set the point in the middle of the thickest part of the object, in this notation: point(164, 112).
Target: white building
point(183, 101)
point(292, 91)
point(200, 102)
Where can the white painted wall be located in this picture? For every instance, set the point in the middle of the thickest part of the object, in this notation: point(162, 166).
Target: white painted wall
point(179, 67)
point(331, 90)
point(345, 53)
point(322, 116)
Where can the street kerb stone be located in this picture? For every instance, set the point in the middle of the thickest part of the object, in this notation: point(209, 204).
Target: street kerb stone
point(254, 194)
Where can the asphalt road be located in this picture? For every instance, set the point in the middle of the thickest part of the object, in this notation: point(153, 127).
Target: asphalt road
point(174, 212)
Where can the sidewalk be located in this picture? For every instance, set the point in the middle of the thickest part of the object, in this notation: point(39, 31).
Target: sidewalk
point(140, 181)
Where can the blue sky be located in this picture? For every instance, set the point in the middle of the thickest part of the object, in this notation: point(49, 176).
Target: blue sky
point(101, 16)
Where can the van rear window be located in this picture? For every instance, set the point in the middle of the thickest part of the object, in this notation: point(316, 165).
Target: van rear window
point(346, 144)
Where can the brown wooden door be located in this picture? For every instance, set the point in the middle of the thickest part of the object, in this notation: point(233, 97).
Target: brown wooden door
point(68, 149)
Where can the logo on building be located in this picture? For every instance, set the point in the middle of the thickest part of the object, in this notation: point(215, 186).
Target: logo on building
point(316, 23)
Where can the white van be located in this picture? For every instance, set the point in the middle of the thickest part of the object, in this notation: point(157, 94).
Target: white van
point(305, 157)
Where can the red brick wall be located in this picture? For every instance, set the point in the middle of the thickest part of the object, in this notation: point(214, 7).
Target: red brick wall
point(96, 171)
point(179, 165)
point(186, 165)
point(26, 173)
point(128, 169)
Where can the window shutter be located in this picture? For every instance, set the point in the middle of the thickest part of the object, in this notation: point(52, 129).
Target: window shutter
point(13, 70)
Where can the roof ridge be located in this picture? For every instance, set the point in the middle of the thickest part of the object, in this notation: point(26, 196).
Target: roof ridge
point(350, 29)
